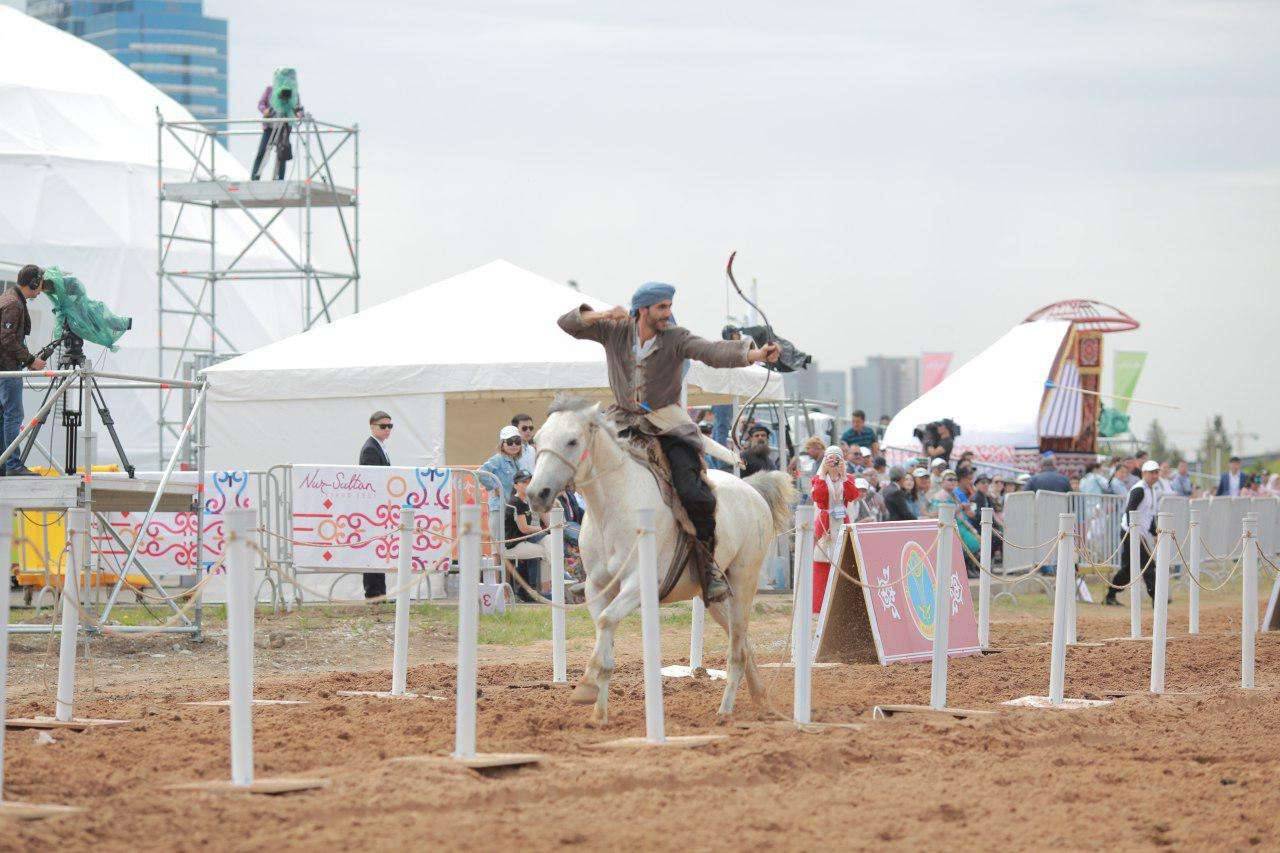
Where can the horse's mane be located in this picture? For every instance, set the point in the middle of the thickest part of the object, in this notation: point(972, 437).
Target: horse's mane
point(574, 404)
point(569, 403)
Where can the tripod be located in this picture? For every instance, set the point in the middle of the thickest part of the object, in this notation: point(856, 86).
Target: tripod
point(71, 355)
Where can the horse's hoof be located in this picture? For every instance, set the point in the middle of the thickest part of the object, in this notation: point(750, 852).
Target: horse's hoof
point(601, 718)
point(585, 693)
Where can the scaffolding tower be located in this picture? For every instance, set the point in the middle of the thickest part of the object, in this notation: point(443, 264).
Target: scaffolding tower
point(187, 298)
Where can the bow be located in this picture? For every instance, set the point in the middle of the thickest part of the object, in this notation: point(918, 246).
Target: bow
point(728, 271)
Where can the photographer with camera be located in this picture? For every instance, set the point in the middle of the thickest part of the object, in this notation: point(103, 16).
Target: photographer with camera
point(938, 438)
point(279, 100)
point(15, 325)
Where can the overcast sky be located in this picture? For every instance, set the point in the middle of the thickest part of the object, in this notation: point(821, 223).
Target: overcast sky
point(899, 176)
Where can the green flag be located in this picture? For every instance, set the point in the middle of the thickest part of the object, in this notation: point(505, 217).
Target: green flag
point(1128, 367)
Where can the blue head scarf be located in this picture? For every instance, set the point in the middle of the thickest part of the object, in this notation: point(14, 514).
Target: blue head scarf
point(651, 293)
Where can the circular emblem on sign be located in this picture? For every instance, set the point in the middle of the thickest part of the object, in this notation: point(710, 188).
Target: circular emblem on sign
point(918, 581)
point(327, 529)
point(396, 486)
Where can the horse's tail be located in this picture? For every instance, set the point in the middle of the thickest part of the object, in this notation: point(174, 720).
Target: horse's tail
point(776, 489)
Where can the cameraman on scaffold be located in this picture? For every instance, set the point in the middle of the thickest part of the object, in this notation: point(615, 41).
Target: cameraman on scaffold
point(646, 353)
point(15, 325)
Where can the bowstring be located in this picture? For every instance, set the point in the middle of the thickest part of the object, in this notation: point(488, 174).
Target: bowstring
point(728, 269)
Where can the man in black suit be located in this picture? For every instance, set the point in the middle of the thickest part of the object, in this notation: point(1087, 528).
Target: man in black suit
point(373, 453)
point(1230, 483)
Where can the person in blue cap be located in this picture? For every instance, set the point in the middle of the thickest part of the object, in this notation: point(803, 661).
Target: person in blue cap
point(646, 353)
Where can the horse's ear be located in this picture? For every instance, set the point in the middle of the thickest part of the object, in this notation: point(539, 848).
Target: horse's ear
point(595, 411)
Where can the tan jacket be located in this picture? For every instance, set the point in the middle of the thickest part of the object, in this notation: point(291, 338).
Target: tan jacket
point(15, 325)
point(642, 389)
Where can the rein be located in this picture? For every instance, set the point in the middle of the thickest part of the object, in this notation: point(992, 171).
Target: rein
point(594, 429)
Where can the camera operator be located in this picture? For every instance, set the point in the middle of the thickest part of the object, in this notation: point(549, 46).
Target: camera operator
point(789, 360)
point(938, 440)
point(279, 100)
point(15, 325)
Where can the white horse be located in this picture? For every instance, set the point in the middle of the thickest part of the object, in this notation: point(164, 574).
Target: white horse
point(577, 442)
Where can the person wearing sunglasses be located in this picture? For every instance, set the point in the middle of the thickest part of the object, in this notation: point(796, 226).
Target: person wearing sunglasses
point(528, 456)
point(374, 453)
point(504, 465)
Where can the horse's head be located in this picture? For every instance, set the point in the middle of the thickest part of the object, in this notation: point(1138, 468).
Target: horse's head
point(562, 446)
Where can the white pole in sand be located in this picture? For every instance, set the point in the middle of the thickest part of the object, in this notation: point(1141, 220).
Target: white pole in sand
point(464, 737)
point(647, 554)
point(240, 603)
point(1249, 602)
point(942, 606)
point(1135, 589)
point(1061, 591)
point(984, 581)
point(802, 620)
point(559, 665)
point(696, 630)
point(1193, 545)
point(1160, 613)
point(404, 571)
point(78, 530)
point(1073, 585)
point(6, 537)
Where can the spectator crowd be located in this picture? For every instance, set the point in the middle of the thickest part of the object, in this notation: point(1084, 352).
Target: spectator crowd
point(855, 469)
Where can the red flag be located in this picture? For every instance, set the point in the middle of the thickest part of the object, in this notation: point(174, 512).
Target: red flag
point(933, 367)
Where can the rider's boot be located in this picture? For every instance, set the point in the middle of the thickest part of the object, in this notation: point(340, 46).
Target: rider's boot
point(715, 586)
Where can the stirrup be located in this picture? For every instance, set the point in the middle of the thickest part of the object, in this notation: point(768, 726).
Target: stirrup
point(716, 589)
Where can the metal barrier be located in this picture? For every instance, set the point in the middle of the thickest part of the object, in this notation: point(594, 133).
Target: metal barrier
point(1268, 512)
point(1179, 510)
point(1031, 523)
point(277, 518)
point(1020, 531)
point(1098, 526)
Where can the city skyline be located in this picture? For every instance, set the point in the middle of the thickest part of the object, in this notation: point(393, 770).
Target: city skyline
point(173, 45)
point(894, 189)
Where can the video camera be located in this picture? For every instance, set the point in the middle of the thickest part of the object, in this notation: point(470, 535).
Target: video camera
point(79, 318)
point(928, 435)
point(789, 360)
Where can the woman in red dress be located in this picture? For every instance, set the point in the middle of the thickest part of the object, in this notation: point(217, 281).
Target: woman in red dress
point(832, 479)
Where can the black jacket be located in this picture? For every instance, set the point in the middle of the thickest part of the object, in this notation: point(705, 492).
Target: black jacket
point(373, 454)
point(15, 325)
point(895, 500)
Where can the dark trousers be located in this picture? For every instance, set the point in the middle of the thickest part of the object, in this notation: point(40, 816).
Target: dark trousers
point(1122, 576)
point(695, 493)
point(11, 418)
point(262, 152)
point(375, 584)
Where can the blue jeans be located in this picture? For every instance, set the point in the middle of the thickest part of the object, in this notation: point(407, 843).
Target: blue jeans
point(10, 417)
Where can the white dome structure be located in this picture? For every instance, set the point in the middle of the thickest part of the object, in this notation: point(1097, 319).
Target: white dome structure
point(78, 168)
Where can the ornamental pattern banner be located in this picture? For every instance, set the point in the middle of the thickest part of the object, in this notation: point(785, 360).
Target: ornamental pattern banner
point(169, 546)
point(351, 515)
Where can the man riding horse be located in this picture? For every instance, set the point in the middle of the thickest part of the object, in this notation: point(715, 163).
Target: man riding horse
point(646, 353)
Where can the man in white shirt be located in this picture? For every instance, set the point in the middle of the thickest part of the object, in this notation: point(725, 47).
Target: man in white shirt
point(1142, 500)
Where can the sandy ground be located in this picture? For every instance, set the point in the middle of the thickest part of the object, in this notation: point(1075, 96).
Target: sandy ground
point(1194, 770)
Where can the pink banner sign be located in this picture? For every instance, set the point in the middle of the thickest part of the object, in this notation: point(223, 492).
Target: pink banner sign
point(348, 517)
point(933, 369)
point(898, 557)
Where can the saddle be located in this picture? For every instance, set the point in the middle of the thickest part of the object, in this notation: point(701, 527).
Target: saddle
point(648, 451)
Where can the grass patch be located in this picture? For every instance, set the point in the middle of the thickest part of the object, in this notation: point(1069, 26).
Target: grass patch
point(524, 625)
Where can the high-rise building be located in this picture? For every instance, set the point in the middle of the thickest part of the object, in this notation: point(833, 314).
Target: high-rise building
point(830, 386)
point(885, 385)
point(173, 45)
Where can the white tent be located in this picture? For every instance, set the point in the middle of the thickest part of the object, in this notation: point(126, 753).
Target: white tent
point(451, 362)
point(999, 397)
point(78, 172)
